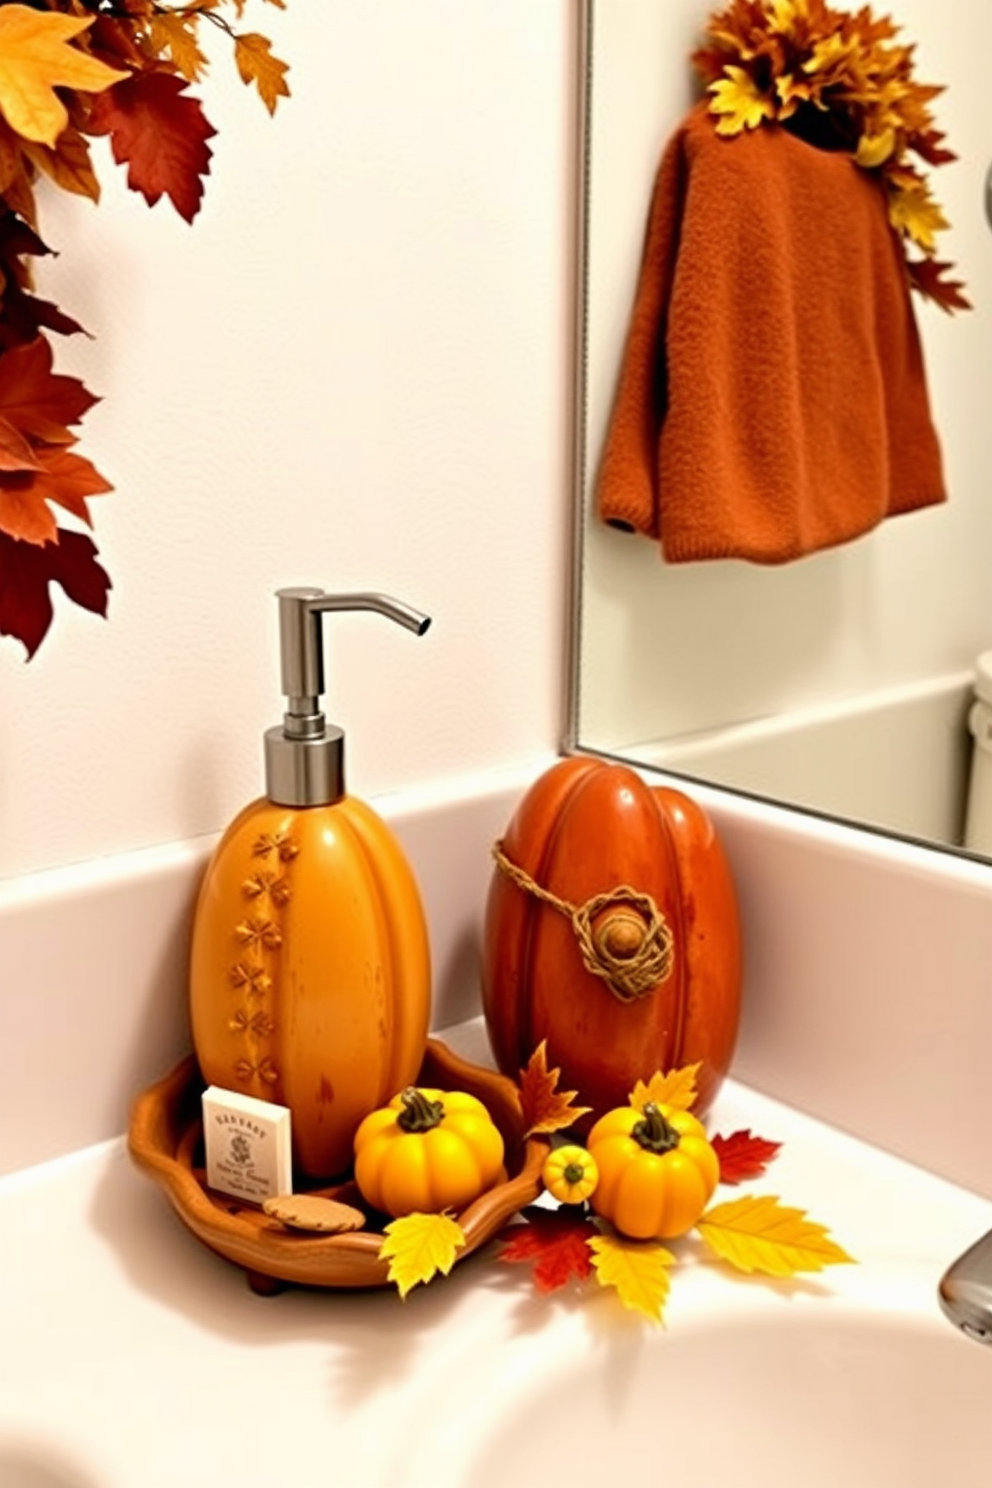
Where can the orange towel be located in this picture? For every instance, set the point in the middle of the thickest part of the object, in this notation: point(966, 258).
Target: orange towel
point(772, 398)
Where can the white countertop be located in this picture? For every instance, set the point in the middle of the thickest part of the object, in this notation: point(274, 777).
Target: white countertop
point(131, 1357)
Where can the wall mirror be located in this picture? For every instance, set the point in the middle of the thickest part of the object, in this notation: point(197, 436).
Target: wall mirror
point(839, 682)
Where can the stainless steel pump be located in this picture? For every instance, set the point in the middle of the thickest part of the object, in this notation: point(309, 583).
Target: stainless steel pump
point(304, 759)
point(966, 1291)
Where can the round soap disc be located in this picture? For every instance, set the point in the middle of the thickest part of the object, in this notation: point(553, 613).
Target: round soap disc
point(311, 1212)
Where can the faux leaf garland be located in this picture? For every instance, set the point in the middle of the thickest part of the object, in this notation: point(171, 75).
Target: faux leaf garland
point(566, 1244)
point(755, 1233)
point(841, 81)
point(71, 71)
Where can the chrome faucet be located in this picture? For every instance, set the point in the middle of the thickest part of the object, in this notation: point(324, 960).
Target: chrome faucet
point(966, 1291)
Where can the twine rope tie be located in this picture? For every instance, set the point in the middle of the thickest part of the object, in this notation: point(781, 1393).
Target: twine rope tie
point(630, 972)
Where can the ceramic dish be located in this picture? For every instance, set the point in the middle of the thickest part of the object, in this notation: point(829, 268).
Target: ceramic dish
point(165, 1139)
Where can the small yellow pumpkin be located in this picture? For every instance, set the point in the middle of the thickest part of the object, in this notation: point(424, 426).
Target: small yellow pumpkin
point(657, 1170)
point(426, 1151)
point(570, 1174)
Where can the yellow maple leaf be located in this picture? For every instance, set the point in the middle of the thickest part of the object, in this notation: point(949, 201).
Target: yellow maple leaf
point(785, 12)
point(738, 98)
point(762, 1234)
point(913, 211)
point(791, 91)
point(676, 1089)
point(256, 64)
point(419, 1246)
point(67, 163)
point(176, 34)
point(875, 149)
point(36, 58)
point(636, 1269)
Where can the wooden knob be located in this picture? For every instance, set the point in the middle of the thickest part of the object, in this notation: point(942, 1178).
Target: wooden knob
point(620, 934)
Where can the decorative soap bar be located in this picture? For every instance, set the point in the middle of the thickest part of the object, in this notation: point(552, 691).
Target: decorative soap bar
point(248, 1145)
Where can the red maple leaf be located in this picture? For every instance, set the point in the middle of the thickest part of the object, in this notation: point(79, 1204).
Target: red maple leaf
point(929, 148)
point(160, 134)
point(40, 403)
point(557, 1244)
point(545, 1107)
point(742, 1155)
point(22, 313)
point(927, 275)
point(26, 572)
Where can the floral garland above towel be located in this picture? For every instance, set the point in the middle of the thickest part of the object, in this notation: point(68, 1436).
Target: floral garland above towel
point(71, 71)
point(838, 80)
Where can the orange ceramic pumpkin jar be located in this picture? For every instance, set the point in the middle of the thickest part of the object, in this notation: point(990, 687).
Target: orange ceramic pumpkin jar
point(612, 932)
point(310, 970)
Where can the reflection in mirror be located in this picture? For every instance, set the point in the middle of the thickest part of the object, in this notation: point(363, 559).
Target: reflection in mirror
point(840, 681)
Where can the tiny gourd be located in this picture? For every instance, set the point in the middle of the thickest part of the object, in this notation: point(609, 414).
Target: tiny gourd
point(427, 1151)
point(570, 1174)
point(657, 1170)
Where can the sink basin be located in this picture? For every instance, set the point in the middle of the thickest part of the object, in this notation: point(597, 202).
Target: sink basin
point(851, 1378)
point(812, 1390)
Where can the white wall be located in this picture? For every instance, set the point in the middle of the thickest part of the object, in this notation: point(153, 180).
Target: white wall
point(352, 371)
point(672, 649)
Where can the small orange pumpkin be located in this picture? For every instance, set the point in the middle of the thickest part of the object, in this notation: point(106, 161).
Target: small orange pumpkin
point(599, 868)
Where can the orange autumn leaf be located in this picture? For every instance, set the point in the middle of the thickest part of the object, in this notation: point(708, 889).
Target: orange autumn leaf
point(637, 1270)
point(676, 1089)
point(761, 1234)
point(36, 57)
point(177, 35)
point(58, 475)
point(24, 514)
point(556, 1243)
point(16, 452)
point(160, 134)
point(256, 64)
point(742, 1156)
point(545, 1107)
point(418, 1246)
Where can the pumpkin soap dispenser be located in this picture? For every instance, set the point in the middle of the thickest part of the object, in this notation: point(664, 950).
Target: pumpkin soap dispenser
point(310, 964)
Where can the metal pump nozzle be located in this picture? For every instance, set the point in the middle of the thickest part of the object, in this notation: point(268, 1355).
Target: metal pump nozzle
point(304, 759)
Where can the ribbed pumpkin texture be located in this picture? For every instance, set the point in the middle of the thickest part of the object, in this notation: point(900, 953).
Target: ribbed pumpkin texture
point(583, 829)
point(310, 970)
